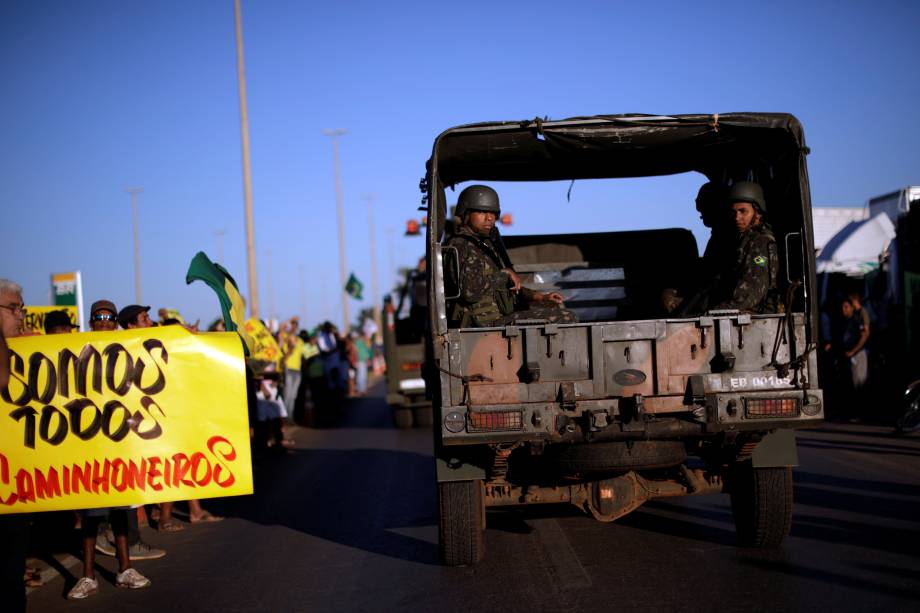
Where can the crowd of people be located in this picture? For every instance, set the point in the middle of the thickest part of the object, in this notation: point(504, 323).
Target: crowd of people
point(315, 371)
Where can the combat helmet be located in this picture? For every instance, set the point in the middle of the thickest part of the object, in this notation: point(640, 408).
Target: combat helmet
point(477, 198)
point(748, 191)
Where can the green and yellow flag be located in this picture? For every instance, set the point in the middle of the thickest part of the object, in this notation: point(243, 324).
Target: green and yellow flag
point(354, 287)
point(231, 302)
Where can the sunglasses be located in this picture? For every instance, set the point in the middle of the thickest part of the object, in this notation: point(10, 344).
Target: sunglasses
point(102, 317)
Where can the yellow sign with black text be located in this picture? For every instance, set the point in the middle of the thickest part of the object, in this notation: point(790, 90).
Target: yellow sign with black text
point(106, 419)
point(34, 321)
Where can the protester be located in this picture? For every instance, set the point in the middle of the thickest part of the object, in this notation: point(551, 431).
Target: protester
point(14, 528)
point(103, 318)
point(335, 368)
point(270, 414)
point(136, 316)
point(291, 355)
point(58, 322)
point(364, 356)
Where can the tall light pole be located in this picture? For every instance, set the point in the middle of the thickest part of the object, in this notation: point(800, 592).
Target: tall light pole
point(340, 210)
point(375, 286)
point(134, 191)
point(247, 173)
point(220, 245)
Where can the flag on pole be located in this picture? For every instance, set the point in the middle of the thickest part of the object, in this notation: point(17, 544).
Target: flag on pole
point(354, 287)
point(232, 306)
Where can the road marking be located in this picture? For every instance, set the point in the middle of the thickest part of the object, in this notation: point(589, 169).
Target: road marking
point(561, 556)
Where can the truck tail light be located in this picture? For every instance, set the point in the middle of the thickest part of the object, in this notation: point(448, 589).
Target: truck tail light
point(496, 421)
point(756, 408)
point(407, 366)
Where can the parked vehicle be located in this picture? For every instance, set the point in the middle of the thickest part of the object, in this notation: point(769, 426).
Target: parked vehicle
point(404, 352)
point(630, 403)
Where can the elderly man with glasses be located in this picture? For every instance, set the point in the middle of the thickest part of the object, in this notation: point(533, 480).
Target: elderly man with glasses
point(14, 528)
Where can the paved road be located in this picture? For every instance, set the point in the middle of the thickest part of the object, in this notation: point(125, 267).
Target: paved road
point(347, 522)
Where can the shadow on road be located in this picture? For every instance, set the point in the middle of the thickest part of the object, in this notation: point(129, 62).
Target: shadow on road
point(360, 498)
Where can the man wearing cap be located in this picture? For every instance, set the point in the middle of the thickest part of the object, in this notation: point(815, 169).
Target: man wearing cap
point(749, 283)
point(58, 322)
point(103, 318)
point(491, 293)
point(135, 316)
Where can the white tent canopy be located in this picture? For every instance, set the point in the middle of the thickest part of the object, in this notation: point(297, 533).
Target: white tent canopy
point(856, 248)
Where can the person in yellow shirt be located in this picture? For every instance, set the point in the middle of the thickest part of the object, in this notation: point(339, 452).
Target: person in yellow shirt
point(292, 356)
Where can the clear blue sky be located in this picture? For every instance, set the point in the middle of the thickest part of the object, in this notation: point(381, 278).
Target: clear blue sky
point(101, 95)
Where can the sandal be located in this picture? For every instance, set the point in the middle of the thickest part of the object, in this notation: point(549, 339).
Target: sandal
point(33, 577)
point(206, 517)
point(170, 526)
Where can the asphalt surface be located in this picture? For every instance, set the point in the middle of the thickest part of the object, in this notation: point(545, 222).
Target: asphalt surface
point(347, 522)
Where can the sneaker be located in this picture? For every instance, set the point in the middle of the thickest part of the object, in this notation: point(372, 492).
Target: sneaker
point(131, 579)
point(105, 546)
point(85, 587)
point(142, 551)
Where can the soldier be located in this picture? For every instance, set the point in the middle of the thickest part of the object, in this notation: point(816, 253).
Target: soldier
point(750, 282)
point(491, 293)
point(714, 213)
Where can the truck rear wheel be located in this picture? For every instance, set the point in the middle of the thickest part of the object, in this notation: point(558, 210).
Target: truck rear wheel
point(631, 455)
point(402, 417)
point(761, 504)
point(461, 522)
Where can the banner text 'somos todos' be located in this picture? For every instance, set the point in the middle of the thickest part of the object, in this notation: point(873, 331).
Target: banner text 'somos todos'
point(128, 417)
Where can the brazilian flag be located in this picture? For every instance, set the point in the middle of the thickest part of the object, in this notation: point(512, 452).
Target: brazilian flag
point(354, 287)
point(231, 302)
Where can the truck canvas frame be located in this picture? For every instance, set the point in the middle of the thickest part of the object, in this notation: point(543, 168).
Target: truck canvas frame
point(630, 403)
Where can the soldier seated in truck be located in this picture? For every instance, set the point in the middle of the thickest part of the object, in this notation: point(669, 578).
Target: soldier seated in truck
point(491, 293)
point(739, 267)
point(749, 283)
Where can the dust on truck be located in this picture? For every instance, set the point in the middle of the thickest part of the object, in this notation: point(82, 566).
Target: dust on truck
point(631, 403)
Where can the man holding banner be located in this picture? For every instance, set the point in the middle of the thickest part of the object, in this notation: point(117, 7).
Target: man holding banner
point(14, 528)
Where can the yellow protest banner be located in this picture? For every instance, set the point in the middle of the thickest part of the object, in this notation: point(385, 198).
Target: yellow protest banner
point(265, 346)
point(34, 320)
point(117, 418)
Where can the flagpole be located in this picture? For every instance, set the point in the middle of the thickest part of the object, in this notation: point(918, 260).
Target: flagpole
point(340, 209)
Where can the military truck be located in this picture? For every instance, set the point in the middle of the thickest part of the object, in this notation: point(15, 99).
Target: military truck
point(632, 402)
point(403, 330)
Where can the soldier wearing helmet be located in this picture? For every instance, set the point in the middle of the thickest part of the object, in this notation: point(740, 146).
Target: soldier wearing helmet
point(491, 293)
point(749, 283)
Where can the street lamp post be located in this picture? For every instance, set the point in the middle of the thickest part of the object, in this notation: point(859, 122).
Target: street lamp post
point(134, 191)
point(247, 172)
point(340, 210)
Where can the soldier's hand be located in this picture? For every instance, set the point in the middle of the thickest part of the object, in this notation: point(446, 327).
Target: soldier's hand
point(515, 279)
point(554, 296)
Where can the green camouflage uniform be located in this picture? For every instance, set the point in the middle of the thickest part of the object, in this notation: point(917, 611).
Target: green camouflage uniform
point(485, 295)
point(750, 284)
